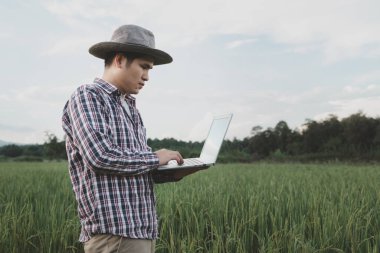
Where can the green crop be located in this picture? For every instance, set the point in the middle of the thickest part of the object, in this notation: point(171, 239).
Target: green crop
point(227, 208)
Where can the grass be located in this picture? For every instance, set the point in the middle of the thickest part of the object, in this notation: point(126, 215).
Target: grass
point(228, 208)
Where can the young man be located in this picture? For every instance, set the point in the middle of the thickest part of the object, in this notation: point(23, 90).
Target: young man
point(111, 167)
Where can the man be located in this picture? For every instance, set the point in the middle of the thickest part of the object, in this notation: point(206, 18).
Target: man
point(111, 167)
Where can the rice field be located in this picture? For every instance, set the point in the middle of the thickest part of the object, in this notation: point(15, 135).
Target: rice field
point(228, 208)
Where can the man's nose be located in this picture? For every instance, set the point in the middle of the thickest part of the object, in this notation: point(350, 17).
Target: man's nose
point(145, 76)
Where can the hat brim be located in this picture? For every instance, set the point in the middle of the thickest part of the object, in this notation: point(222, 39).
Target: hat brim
point(101, 50)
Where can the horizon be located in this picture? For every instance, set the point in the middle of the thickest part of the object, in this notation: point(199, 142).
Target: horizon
point(295, 129)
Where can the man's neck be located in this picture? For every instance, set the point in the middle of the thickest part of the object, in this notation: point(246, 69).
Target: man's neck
point(110, 78)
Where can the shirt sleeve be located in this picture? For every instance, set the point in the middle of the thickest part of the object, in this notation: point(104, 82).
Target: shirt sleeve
point(87, 113)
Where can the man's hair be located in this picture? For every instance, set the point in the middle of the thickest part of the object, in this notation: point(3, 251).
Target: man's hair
point(130, 56)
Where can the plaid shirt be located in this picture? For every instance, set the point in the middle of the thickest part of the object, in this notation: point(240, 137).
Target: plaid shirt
point(110, 163)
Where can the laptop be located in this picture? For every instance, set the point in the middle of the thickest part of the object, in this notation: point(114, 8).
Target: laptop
point(210, 149)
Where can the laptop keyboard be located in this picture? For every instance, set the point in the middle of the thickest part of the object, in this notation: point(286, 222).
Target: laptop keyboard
point(192, 161)
point(187, 162)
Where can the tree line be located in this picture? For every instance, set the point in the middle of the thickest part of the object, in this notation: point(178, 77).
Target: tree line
point(354, 138)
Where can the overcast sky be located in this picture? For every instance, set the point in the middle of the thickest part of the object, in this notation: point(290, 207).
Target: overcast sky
point(264, 61)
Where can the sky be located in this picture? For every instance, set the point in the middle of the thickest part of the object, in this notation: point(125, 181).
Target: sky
point(263, 61)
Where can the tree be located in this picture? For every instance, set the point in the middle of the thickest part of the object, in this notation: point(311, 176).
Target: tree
point(263, 143)
point(376, 140)
point(360, 131)
point(312, 137)
point(324, 136)
point(11, 150)
point(283, 134)
point(332, 134)
point(256, 130)
point(54, 149)
point(33, 150)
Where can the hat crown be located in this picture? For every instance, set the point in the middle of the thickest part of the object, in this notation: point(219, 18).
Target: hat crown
point(131, 39)
point(133, 34)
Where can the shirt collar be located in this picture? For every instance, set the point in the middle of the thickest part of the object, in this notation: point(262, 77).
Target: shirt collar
point(106, 86)
point(112, 89)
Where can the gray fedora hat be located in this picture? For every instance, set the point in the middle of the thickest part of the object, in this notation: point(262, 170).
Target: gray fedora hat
point(132, 39)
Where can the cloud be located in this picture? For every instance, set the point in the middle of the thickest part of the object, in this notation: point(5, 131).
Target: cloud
point(250, 107)
point(360, 90)
point(37, 95)
point(368, 78)
point(5, 35)
point(361, 95)
point(30, 111)
point(68, 45)
point(19, 129)
point(259, 90)
point(297, 98)
point(238, 43)
point(339, 29)
point(347, 107)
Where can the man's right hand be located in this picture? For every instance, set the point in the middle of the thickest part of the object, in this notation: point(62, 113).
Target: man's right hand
point(165, 155)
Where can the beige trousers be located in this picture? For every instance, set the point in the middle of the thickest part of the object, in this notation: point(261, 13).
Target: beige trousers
point(106, 243)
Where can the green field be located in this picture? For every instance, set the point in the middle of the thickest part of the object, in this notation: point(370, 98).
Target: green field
point(228, 208)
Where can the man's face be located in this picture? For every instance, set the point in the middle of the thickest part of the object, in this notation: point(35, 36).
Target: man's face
point(135, 74)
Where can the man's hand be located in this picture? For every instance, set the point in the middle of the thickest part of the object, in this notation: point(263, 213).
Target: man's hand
point(165, 155)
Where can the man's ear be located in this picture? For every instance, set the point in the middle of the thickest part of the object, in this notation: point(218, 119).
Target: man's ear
point(118, 60)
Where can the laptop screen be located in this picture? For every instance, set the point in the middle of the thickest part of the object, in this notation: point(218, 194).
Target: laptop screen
point(215, 138)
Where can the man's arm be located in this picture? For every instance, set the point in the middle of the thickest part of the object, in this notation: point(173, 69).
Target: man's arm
point(89, 133)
